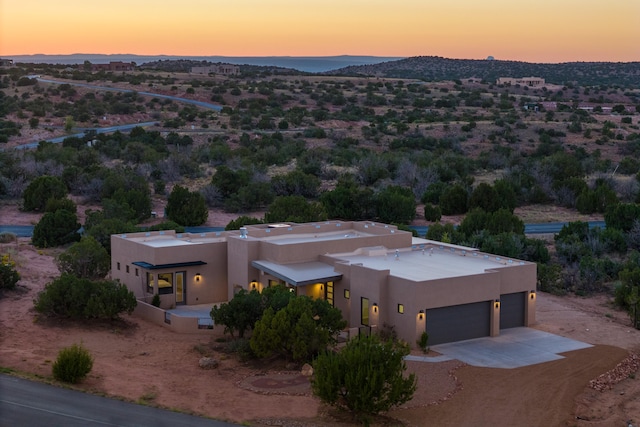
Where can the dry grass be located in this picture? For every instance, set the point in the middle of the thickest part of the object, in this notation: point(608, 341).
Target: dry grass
point(532, 214)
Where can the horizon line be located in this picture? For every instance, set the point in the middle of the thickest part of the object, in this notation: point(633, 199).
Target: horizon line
point(488, 58)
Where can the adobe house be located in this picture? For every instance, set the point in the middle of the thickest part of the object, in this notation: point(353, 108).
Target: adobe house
point(524, 81)
point(374, 273)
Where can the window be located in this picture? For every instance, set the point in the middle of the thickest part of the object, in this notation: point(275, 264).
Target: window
point(401, 308)
point(165, 283)
point(127, 267)
point(347, 294)
point(118, 266)
point(149, 283)
point(329, 293)
point(137, 272)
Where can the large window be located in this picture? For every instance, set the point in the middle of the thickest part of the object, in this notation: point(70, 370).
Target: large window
point(165, 283)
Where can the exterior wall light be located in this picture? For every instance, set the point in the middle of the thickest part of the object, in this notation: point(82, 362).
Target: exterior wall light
point(375, 307)
point(532, 294)
point(421, 314)
point(198, 277)
point(496, 303)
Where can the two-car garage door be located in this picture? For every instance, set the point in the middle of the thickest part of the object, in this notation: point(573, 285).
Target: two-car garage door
point(467, 321)
point(458, 322)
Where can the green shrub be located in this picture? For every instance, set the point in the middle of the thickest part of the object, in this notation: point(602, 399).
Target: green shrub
point(8, 274)
point(79, 298)
point(73, 364)
point(156, 300)
point(432, 213)
point(423, 342)
point(366, 377)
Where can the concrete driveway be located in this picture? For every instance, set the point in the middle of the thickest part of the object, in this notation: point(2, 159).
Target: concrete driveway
point(514, 348)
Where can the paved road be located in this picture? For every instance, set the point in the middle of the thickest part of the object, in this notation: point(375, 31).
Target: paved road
point(545, 228)
point(542, 228)
point(207, 105)
point(109, 129)
point(28, 403)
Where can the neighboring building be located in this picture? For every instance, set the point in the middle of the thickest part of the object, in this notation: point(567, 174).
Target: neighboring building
point(6, 62)
point(113, 66)
point(225, 69)
point(524, 81)
point(374, 273)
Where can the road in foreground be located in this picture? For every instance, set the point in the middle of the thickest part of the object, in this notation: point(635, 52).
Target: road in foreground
point(28, 403)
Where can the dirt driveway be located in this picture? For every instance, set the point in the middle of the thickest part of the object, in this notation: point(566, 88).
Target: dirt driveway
point(142, 362)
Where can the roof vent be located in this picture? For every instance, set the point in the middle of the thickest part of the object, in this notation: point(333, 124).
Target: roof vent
point(243, 232)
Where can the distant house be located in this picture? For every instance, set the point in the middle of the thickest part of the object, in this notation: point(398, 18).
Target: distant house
point(113, 66)
point(524, 81)
point(224, 69)
point(374, 273)
point(6, 62)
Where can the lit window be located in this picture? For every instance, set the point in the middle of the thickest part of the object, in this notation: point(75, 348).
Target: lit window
point(347, 294)
point(401, 308)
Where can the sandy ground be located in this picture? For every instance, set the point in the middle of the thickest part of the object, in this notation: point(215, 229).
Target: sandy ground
point(145, 363)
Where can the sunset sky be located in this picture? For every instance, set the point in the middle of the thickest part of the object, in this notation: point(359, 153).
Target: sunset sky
point(533, 31)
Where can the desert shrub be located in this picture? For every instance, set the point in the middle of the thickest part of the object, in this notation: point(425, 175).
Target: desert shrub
point(156, 300)
point(40, 190)
point(423, 342)
point(9, 277)
point(55, 229)
point(298, 331)
point(78, 298)
point(7, 237)
point(241, 222)
point(432, 213)
point(73, 364)
point(86, 258)
point(366, 377)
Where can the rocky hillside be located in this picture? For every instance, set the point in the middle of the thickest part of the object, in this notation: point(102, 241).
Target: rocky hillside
point(433, 68)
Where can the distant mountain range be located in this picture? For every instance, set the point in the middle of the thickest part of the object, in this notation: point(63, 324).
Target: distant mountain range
point(432, 68)
point(310, 64)
point(429, 68)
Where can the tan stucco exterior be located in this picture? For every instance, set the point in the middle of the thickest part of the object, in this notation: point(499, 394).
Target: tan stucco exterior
point(362, 262)
point(524, 81)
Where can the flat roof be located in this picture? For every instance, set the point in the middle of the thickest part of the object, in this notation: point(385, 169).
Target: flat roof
point(284, 239)
point(155, 240)
point(428, 263)
point(300, 274)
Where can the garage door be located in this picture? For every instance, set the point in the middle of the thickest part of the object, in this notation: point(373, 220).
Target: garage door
point(458, 322)
point(512, 310)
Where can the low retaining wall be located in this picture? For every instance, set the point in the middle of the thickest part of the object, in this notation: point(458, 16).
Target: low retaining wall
point(171, 321)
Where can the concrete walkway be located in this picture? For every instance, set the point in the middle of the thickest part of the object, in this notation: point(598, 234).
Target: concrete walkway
point(514, 348)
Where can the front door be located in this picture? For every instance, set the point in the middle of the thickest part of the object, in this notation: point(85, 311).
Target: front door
point(364, 311)
point(181, 288)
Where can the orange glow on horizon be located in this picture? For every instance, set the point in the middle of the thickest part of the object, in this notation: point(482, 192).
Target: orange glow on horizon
point(543, 31)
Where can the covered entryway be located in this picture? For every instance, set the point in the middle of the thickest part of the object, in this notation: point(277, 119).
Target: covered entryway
point(512, 310)
point(459, 322)
point(316, 275)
